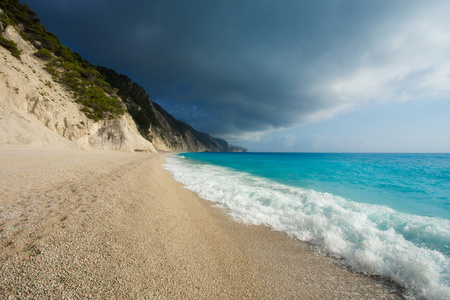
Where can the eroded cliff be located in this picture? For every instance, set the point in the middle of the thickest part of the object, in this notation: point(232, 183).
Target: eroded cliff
point(52, 96)
point(29, 94)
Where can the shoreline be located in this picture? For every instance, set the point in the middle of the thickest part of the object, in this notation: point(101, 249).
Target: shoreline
point(105, 224)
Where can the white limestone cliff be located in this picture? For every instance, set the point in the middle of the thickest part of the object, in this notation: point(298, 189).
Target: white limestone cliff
point(37, 111)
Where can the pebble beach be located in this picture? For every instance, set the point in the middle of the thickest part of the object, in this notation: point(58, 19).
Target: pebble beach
point(103, 224)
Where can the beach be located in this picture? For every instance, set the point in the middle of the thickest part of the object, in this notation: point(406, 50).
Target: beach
point(104, 224)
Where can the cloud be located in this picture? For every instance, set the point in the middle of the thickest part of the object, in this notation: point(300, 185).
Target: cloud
point(235, 68)
point(410, 63)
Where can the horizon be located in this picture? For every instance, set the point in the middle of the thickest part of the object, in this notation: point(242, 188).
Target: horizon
point(296, 76)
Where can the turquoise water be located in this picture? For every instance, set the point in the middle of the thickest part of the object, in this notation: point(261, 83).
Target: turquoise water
point(412, 183)
point(384, 214)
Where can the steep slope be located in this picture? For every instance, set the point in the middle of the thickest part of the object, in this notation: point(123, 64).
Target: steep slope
point(157, 125)
point(37, 111)
point(91, 106)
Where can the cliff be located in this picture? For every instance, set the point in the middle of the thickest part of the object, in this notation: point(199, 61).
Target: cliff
point(37, 111)
point(156, 124)
point(51, 96)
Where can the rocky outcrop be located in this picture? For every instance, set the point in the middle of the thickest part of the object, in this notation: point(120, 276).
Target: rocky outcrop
point(11, 33)
point(119, 134)
point(29, 94)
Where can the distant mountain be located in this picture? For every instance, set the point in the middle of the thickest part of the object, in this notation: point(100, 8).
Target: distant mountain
point(91, 106)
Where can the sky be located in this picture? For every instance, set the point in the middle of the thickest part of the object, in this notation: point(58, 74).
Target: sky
point(270, 75)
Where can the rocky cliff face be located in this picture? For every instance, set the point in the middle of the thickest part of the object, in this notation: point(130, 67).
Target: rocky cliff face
point(29, 94)
point(36, 109)
point(157, 125)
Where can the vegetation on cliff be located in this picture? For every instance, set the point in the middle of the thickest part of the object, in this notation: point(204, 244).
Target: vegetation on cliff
point(147, 115)
point(11, 46)
point(89, 88)
point(101, 92)
point(136, 99)
point(7, 44)
point(77, 74)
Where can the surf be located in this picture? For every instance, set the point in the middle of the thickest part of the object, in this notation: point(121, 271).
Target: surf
point(409, 249)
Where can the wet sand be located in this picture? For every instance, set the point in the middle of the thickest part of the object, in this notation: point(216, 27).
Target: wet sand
point(100, 224)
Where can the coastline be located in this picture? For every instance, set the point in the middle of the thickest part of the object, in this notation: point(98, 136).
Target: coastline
point(102, 224)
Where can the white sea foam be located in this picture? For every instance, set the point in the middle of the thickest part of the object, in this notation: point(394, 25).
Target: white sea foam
point(411, 250)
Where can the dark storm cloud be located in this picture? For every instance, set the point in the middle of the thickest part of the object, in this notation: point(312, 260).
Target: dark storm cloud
point(229, 67)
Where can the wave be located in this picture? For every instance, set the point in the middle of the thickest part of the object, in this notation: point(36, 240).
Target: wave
point(409, 249)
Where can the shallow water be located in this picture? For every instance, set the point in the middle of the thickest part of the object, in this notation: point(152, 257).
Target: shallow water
point(384, 214)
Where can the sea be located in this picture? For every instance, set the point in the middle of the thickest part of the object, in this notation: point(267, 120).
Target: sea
point(380, 214)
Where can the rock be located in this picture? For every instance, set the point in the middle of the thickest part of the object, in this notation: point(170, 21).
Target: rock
point(119, 134)
point(11, 33)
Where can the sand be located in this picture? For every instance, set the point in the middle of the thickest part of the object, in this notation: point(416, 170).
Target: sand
point(99, 224)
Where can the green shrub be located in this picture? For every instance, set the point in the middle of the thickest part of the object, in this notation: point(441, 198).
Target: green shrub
point(5, 20)
point(93, 93)
point(88, 86)
point(11, 46)
point(43, 54)
point(137, 101)
point(24, 35)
